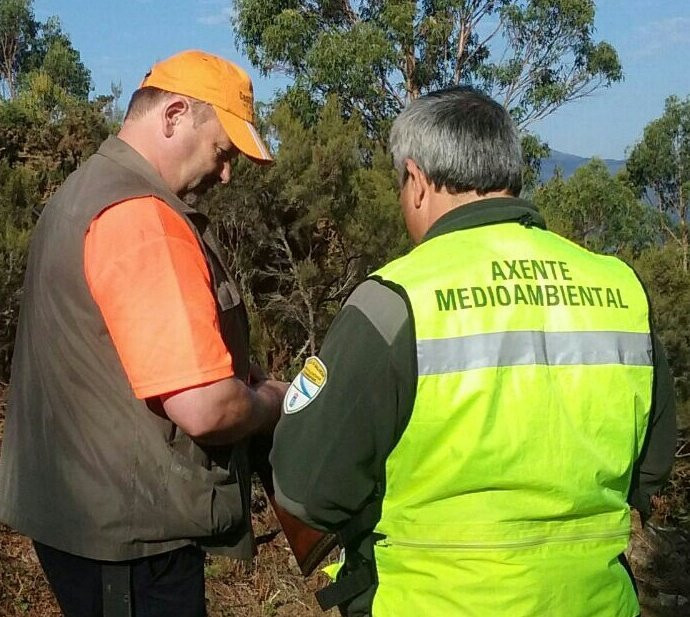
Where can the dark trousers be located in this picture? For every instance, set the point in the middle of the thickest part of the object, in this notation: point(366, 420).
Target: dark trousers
point(160, 586)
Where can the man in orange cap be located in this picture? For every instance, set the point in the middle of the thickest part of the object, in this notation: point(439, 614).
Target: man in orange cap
point(125, 452)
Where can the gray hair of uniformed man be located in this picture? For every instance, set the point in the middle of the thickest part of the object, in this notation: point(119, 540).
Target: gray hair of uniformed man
point(461, 139)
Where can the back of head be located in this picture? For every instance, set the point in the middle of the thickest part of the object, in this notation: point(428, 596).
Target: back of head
point(461, 139)
point(146, 99)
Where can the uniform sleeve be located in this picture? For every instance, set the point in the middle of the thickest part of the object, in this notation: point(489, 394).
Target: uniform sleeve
point(656, 459)
point(329, 456)
point(148, 275)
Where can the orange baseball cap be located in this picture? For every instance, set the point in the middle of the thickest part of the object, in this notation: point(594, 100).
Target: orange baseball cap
point(221, 84)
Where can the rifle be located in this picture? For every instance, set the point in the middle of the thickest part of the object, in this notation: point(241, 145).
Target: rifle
point(309, 546)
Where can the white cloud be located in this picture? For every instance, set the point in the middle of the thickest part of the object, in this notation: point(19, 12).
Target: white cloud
point(663, 34)
point(221, 17)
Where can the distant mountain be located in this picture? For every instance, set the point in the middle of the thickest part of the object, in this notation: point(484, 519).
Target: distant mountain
point(569, 163)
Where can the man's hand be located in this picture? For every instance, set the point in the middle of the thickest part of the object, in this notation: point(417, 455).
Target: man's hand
point(272, 392)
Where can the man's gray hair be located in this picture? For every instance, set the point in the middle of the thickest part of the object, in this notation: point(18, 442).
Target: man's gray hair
point(461, 139)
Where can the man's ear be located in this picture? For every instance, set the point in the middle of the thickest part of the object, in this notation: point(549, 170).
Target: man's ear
point(173, 111)
point(420, 184)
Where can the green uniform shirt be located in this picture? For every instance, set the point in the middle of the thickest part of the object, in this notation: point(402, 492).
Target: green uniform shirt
point(329, 456)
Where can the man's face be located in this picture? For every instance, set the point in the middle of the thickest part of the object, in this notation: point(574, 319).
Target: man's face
point(207, 156)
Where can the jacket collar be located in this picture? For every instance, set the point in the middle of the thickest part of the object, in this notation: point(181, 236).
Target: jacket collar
point(123, 154)
point(487, 212)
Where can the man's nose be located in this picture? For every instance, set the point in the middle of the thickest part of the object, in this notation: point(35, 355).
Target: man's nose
point(225, 173)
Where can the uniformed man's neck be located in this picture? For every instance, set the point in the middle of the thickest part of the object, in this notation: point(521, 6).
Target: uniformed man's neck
point(441, 202)
point(437, 203)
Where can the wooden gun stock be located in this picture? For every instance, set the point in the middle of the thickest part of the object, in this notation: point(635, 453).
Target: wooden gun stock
point(309, 546)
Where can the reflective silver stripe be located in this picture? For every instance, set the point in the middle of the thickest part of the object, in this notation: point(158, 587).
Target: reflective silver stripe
point(450, 355)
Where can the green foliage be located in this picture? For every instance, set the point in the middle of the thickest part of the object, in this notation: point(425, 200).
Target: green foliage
point(659, 170)
point(532, 55)
point(47, 128)
point(37, 152)
point(533, 151)
point(669, 288)
point(55, 56)
point(377, 224)
point(303, 232)
point(597, 210)
point(659, 167)
point(28, 46)
point(50, 140)
point(18, 194)
point(552, 58)
point(18, 31)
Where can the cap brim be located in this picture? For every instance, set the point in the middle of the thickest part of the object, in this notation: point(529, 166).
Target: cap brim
point(244, 136)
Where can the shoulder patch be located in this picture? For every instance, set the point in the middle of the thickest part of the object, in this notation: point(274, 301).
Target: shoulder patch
point(306, 386)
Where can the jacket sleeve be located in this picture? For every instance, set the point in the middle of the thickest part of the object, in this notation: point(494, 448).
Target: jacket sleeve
point(329, 456)
point(653, 467)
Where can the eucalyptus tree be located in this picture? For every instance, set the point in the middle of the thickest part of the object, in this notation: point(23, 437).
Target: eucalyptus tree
point(659, 166)
point(531, 55)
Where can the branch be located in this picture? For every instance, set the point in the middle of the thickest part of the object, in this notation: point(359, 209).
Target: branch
point(485, 41)
point(390, 90)
point(460, 59)
point(306, 345)
point(577, 87)
point(346, 284)
point(529, 58)
point(537, 56)
point(9, 53)
point(306, 299)
point(666, 227)
point(352, 17)
point(410, 64)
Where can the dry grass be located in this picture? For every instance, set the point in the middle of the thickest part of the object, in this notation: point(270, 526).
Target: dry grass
point(23, 589)
point(271, 586)
point(660, 553)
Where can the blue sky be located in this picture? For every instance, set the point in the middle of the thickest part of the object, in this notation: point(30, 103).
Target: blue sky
point(120, 39)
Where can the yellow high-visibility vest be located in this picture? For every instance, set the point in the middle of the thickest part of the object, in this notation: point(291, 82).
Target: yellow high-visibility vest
point(506, 494)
